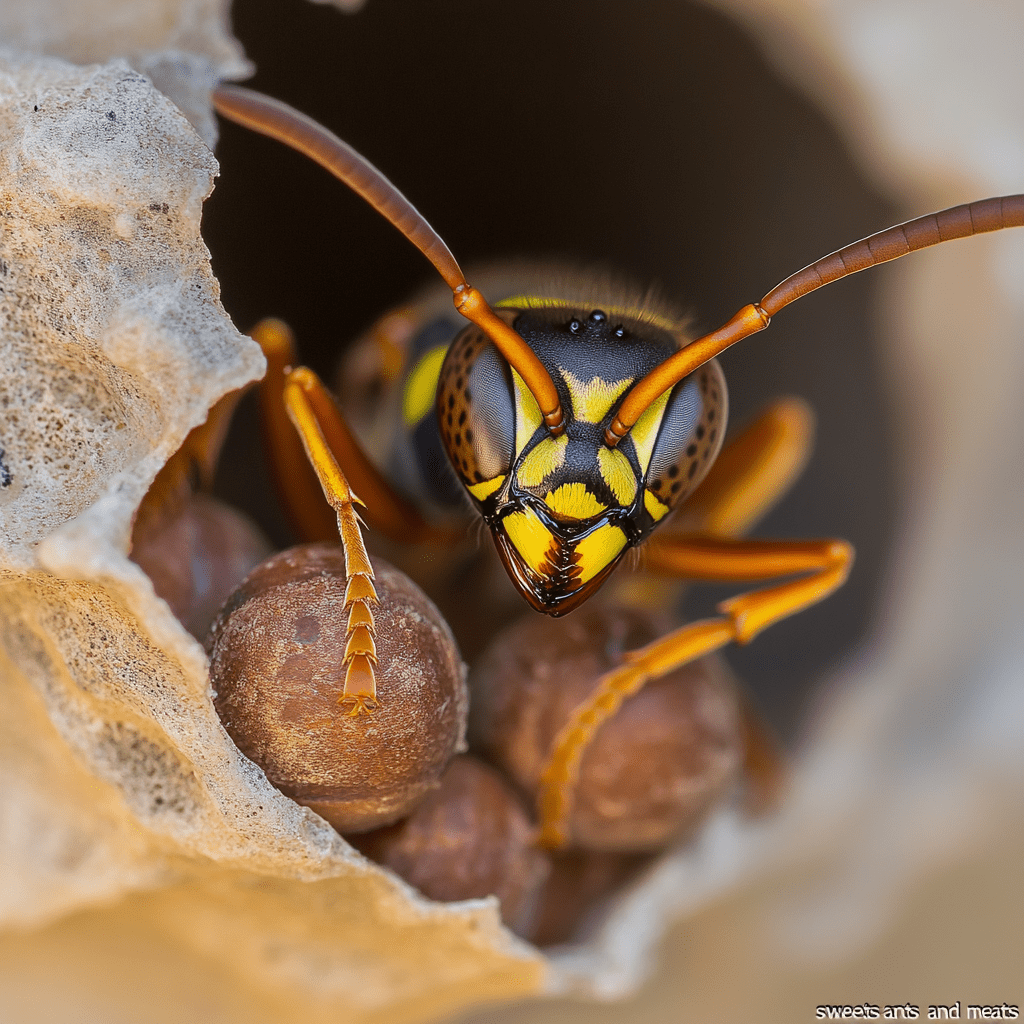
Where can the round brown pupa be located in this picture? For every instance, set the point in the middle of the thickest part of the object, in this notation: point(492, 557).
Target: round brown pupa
point(197, 556)
point(276, 653)
point(471, 837)
point(650, 773)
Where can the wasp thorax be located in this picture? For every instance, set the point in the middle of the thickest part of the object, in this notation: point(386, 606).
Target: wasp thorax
point(564, 509)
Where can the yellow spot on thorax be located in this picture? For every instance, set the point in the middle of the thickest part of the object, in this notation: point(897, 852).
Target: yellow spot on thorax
point(574, 501)
point(592, 399)
point(421, 387)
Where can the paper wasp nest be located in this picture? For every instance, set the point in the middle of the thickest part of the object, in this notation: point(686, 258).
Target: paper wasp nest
point(118, 781)
point(118, 776)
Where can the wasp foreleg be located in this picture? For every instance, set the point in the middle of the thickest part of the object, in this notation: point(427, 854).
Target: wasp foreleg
point(301, 492)
point(703, 558)
point(360, 659)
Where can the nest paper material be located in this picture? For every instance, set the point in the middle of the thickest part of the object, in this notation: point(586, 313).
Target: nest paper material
point(118, 776)
point(183, 46)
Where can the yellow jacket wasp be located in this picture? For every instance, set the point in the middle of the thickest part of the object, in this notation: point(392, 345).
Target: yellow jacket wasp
point(575, 423)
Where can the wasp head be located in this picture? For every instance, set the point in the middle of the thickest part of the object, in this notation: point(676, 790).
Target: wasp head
point(563, 510)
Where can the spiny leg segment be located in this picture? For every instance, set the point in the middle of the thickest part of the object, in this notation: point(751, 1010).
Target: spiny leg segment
point(744, 616)
point(316, 456)
point(360, 658)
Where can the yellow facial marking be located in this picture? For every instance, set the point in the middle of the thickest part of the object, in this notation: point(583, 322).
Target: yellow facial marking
point(618, 474)
point(421, 389)
point(544, 458)
point(645, 431)
point(531, 537)
point(574, 501)
point(655, 508)
point(487, 488)
point(528, 417)
point(628, 312)
point(592, 399)
point(597, 549)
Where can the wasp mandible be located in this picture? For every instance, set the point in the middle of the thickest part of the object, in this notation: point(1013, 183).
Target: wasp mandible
point(576, 421)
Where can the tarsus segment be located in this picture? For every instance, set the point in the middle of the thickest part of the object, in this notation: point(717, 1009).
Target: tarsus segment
point(956, 222)
point(360, 658)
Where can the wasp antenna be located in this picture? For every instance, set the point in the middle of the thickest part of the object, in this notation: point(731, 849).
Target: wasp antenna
point(956, 222)
point(749, 320)
point(279, 121)
point(473, 306)
point(881, 247)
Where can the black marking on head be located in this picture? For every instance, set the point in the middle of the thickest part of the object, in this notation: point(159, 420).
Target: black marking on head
point(594, 348)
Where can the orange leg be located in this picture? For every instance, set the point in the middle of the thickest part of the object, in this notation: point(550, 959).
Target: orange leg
point(190, 468)
point(360, 659)
point(311, 517)
point(752, 472)
point(827, 564)
point(303, 497)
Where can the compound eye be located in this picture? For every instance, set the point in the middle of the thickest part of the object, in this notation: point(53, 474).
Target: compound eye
point(475, 412)
point(690, 435)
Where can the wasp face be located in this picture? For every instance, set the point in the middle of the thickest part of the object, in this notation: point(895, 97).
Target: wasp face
point(564, 510)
